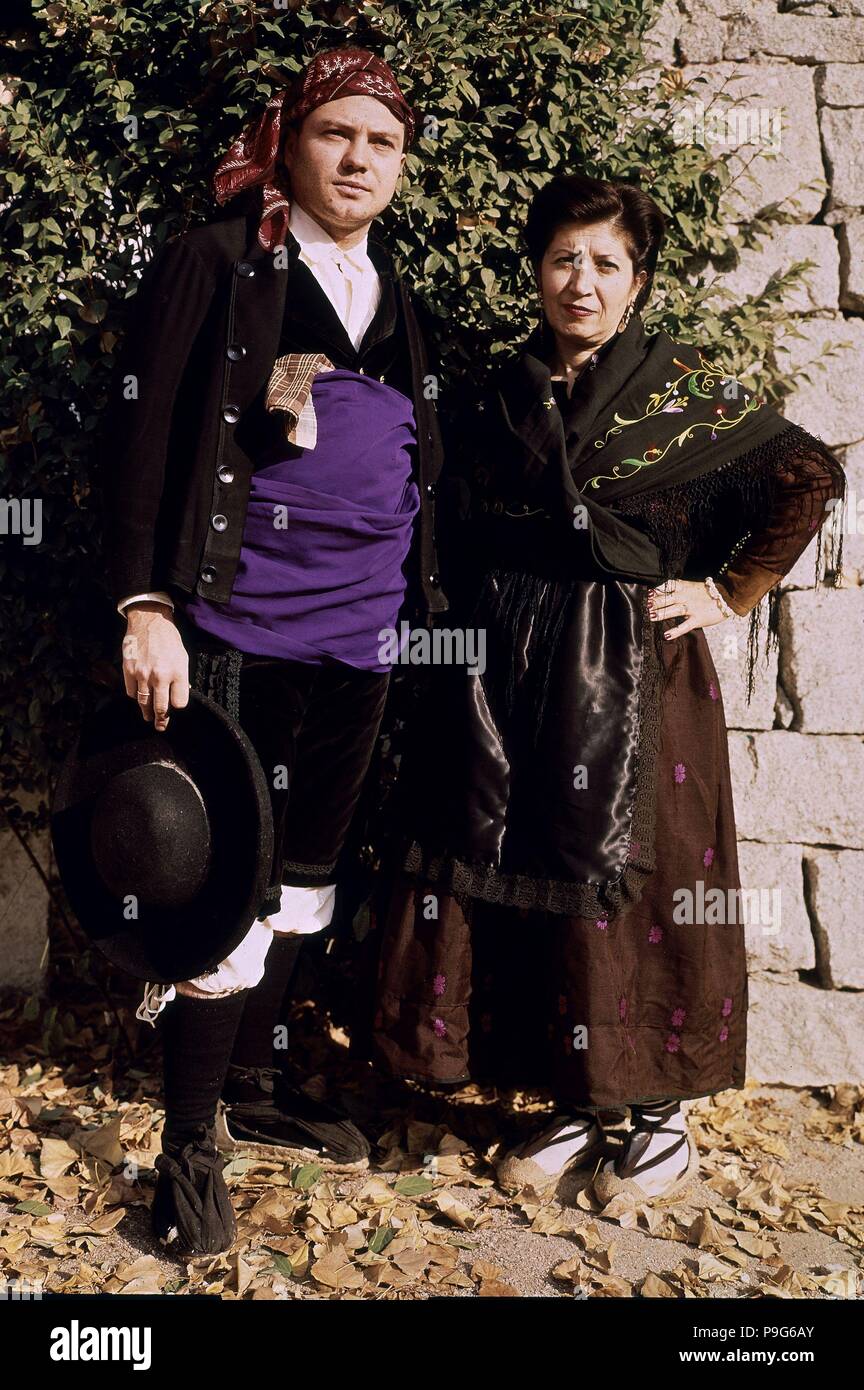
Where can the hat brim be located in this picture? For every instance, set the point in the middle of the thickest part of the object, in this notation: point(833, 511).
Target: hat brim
point(168, 944)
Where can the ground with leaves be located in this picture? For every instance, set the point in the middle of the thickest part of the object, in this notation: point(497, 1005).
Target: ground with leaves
point(778, 1210)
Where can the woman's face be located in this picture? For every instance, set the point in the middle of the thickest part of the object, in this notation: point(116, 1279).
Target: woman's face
point(586, 282)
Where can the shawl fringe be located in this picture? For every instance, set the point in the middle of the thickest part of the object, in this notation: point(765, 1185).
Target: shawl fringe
point(682, 521)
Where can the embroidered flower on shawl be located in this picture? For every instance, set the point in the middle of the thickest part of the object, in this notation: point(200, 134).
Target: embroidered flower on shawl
point(622, 1007)
point(727, 1007)
point(673, 1042)
point(680, 772)
point(708, 858)
point(723, 1034)
point(713, 691)
point(633, 851)
point(678, 1017)
point(655, 934)
point(439, 984)
point(440, 1027)
point(601, 924)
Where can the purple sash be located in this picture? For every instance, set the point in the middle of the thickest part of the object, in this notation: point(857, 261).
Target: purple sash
point(326, 534)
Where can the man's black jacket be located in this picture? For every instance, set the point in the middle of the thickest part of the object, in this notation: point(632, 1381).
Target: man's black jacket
point(186, 415)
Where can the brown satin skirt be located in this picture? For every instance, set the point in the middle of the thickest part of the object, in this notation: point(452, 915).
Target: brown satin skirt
point(602, 1012)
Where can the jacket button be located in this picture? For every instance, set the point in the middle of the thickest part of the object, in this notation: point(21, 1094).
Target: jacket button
point(225, 475)
point(435, 580)
point(381, 377)
point(235, 352)
point(219, 522)
point(231, 413)
point(208, 574)
point(431, 489)
point(245, 269)
point(362, 371)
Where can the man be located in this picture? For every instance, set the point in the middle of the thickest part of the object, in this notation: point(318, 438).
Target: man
point(270, 461)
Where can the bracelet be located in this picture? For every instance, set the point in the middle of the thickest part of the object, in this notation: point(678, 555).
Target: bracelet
point(719, 599)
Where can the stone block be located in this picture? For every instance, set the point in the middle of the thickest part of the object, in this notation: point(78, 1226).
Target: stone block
point(851, 245)
point(799, 1035)
point(768, 135)
point(820, 289)
point(834, 882)
point(843, 138)
point(821, 668)
point(803, 38)
point(784, 943)
point(828, 401)
point(798, 788)
point(840, 84)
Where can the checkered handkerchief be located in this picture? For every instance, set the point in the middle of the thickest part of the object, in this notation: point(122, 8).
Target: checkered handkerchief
point(290, 390)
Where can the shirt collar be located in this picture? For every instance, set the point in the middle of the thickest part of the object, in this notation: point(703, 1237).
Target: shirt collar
point(317, 245)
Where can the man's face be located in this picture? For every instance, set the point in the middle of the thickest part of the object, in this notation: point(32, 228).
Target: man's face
point(345, 161)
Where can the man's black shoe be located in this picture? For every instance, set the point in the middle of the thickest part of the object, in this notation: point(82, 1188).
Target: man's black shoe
point(192, 1212)
point(262, 1115)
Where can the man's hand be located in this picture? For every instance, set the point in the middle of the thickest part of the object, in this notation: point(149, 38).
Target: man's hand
point(684, 598)
point(155, 662)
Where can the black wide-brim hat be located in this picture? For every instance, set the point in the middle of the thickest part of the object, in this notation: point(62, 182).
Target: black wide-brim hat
point(163, 840)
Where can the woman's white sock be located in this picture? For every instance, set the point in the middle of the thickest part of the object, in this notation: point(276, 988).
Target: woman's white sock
point(643, 1146)
point(565, 1138)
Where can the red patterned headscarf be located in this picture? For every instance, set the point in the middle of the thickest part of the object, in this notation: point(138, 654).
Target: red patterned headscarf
point(252, 159)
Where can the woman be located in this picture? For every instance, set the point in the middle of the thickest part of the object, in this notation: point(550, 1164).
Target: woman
point(569, 809)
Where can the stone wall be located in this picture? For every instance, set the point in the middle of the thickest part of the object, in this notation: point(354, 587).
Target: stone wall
point(796, 73)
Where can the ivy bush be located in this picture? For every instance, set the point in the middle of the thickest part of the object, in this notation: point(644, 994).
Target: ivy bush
point(112, 119)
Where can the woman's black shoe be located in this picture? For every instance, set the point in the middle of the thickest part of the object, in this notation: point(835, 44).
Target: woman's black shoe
point(192, 1211)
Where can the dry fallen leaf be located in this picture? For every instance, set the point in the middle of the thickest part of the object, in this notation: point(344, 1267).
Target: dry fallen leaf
point(104, 1143)
point(55, 1157)
point(142, 1276)
point(655, 1286)
point(494, 1288)
point(457, 1212)
point(336, 1271)
point(707, 1234)
point(483, 1270)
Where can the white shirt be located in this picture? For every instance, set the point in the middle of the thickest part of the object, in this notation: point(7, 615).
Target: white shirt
point(349, 280)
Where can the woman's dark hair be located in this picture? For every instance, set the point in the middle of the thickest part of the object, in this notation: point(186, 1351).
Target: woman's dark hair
point(574, 198)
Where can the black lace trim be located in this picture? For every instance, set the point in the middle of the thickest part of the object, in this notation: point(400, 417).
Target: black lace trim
point(217, 675)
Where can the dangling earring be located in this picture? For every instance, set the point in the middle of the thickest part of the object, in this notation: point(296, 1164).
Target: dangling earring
point(628, 314)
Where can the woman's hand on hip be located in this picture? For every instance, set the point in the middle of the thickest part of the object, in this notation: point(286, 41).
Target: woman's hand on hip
point(684, 598)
